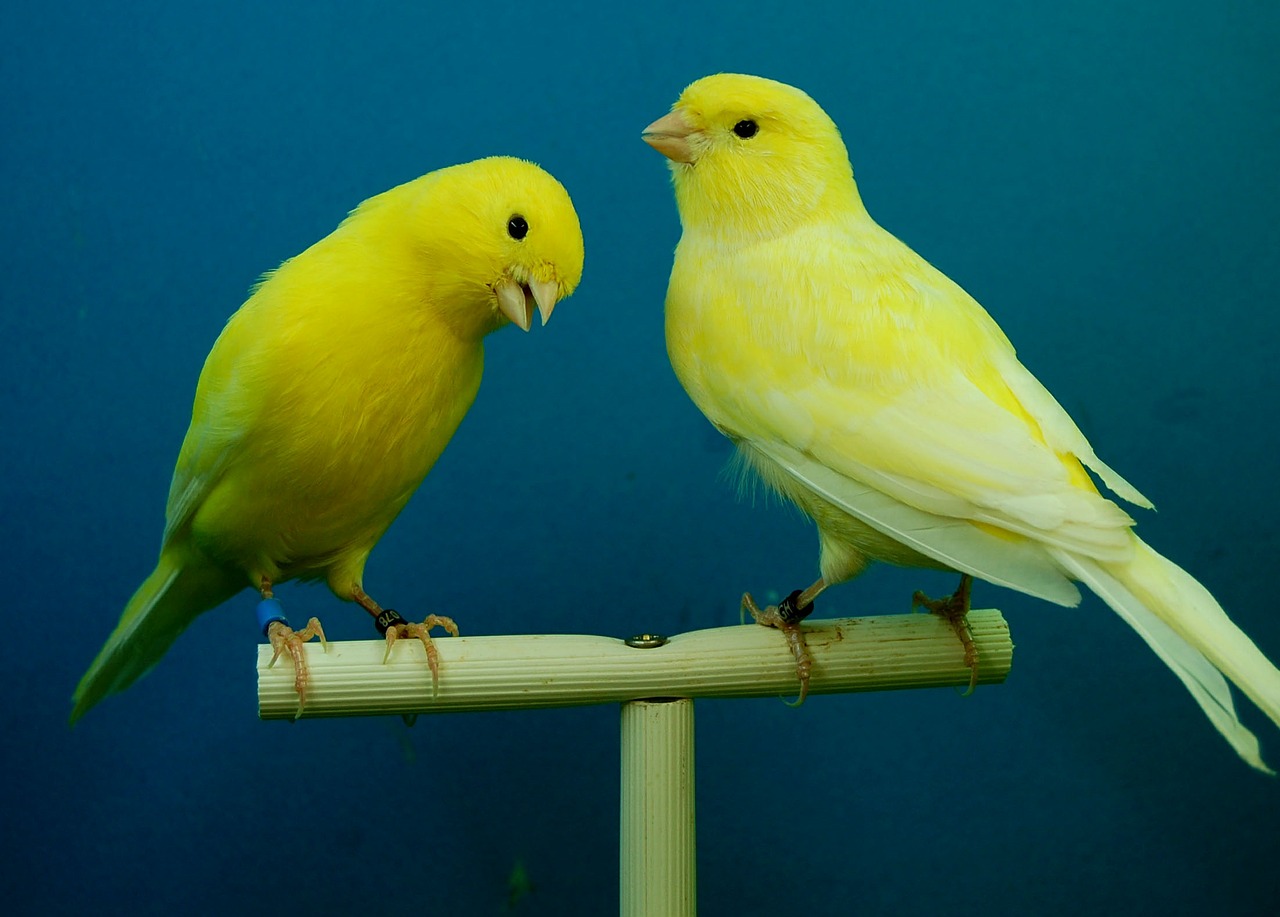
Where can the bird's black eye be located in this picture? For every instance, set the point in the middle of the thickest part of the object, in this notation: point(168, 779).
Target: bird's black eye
point(517, 227)
point(746, 128)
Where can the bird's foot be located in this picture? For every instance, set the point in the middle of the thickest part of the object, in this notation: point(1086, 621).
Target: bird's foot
point(285, 639)
point(394, 627)
point(786, 617)
point(954, 609)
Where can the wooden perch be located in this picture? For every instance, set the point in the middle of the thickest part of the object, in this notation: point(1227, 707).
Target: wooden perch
point(564, 670)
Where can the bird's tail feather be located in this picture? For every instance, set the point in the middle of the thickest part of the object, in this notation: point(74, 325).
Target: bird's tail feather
point(1191, 634)
point(167, 601)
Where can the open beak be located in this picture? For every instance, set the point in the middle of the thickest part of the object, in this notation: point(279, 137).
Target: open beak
point(517, 300)
point(669, 135)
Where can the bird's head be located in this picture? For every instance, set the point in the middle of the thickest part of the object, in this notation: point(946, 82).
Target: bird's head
point(502, 239)
point(751, 157)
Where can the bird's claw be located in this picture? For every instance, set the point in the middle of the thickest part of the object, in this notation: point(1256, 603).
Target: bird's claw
point(423, 632)
point(954, 609)
point(786, 617)
point(284, 638)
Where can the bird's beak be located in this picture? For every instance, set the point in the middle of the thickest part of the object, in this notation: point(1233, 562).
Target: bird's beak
point(544, 293)
point(669, 135)
point(517, 300)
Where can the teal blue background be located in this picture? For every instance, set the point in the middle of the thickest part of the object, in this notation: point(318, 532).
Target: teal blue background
point(1102, 176)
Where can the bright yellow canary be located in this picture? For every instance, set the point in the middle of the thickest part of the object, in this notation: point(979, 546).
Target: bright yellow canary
point(331, 393)
point(878, 396)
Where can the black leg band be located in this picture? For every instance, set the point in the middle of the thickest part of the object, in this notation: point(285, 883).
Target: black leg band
point(788, 611)
point(389, 618)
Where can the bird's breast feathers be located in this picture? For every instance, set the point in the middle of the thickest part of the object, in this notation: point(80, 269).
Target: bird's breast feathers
point(834, 301)
point(318, 441)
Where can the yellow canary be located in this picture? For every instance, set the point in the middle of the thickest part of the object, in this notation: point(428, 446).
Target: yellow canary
point(331, 393)
point(878, 396)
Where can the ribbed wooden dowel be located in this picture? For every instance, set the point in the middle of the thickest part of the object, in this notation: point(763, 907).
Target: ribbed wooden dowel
point(564, 670)
point(657, 852)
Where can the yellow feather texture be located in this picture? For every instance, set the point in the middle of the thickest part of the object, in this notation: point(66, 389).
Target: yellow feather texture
point(872, 391)
point(333, 390)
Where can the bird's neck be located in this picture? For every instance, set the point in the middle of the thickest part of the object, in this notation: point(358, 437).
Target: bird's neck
point(739, 211)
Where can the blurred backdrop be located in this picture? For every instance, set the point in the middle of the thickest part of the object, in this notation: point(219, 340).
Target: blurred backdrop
point(1103, 177)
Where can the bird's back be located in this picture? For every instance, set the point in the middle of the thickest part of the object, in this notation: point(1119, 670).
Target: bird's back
point(835, 352)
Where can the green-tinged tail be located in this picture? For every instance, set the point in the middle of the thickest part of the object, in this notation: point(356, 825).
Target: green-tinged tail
point(170, 599)
point(1192, 635)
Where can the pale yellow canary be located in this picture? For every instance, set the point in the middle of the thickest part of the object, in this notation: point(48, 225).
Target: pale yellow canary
point(333, 390)
point(880, 398)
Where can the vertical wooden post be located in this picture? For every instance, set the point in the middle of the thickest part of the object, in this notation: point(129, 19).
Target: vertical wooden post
point(658, 865)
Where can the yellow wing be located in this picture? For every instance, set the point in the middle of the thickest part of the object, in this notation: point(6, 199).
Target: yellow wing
point(224, 409)
point(885, 390)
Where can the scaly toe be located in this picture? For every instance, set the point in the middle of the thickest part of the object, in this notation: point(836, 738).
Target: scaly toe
point(954, 609)
point(786, 617)
point(285, 639)
point(422, 632)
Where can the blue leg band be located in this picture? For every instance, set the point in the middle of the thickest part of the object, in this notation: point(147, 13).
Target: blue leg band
point(270, 611)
